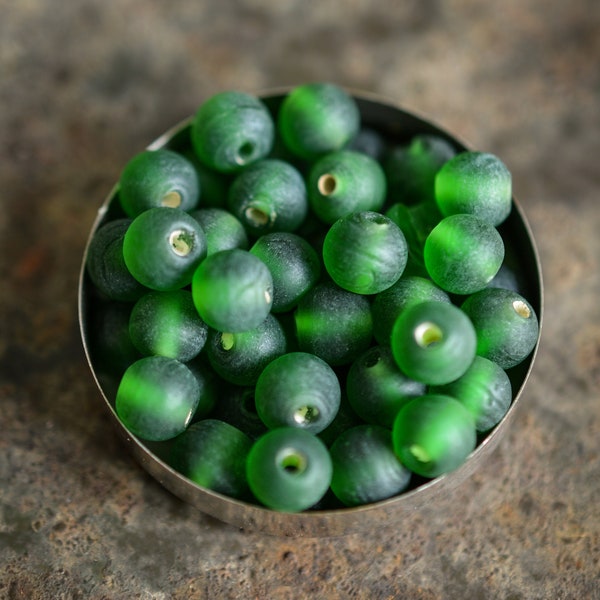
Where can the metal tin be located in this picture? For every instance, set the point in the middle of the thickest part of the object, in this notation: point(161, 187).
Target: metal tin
point(398, 125)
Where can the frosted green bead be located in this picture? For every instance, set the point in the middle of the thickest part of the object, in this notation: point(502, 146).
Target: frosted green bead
point(222, 229)
point(463, 254)
point(316, 118)
point(365, 252)
point(476, 183)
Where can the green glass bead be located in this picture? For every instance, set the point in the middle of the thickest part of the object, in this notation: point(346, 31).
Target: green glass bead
point(433, 434)
point(333, 323)
point(233, 290)
point(484, 389)
point(232, 130)
point(317, 118)
point(163, 247)
point(213, 454)
point(433, 342)
point(222, 229)
point(157, 398)
point(463, 254)
point(476, 183)
point(289, 469)
point(343, 182)
point(158, 178)
point(106, 266)
point(365, 252)
point(269, 195)
point(167, 324)
point(294, 266)
point(377, 388)
point(345, 418)
point(240, 357)
point(368, 141)
point(365, 466)
point(209, 385)
point(298, 390)
point(236, 405)
point(506, 324)
point(214, 185)
point(390, 303)
point(411, 168)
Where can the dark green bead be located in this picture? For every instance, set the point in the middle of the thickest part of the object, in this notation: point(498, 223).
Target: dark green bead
point(232, 130)
point(294, 266)
point(222, 229)
point(163, 247)
point(269, 195)
point(369, 141)
point(158, 178)
point(365, 466)
point(463, 254)
point(433, 342)
point(214, 185)
point(377, 388)
point(411, 169)
point(317, 118)
point(157, 398)
point(476, 183)
point(433, 434)
point(236, 405)
point(389, 304)
point(289, 469)
point(343, 182)
point(365, 252)
point(167, 324)
point(240, 357)
point(345, 418)
point(333, 323)
point(506, 324)
point(298, 390)
point(209, 384)
point(213, 454)
point(484, 389)
point(233, 290)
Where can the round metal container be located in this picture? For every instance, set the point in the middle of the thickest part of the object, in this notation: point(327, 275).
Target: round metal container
point(398, 126)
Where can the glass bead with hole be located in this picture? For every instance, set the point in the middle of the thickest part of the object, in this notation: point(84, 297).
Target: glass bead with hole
point(233, 290)
point(155, 178)
point(433, 342)
point(162, 248)
point(300, 390)
point(289, 469)
point(222, 229)
point(231, 130)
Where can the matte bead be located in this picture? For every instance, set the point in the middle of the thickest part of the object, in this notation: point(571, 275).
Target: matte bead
point(222, 229)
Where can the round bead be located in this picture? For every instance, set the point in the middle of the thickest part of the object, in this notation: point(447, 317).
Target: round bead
point(232, 130)
point(158, 178)
point(463, 254)
point(222, 229)
point(484, 389)
point(289, 469)
point(213, 454)
point(390, 303)
point(433, 342)
point(157, 398)
point(343, 182)
point(476, 183)
point(317, 118)
point(163, 247)
point(269, 195)
point(240, 357)
point(298, 390)
point(236, 406)
point(233, 290)
point(294, 266)
point(106, 266)
point(365, 466)
point(167, 324)
point(365, 252)
point(433, 434)
point(333, 323)
point(506, 324)
point(377, 389)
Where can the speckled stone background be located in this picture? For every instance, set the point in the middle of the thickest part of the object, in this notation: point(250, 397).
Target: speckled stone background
point(84, 85)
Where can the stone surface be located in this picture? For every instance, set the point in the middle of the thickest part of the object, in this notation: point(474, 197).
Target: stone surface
point(83, 86)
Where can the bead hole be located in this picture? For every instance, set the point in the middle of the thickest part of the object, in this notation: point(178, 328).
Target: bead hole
point(245, 152)
point(327, 184)
point(292, 461)
point(420, 453)
point(521, 309)
point(256, 216)
point(305, 415)
point(227, 341)
point(171, 199)
point(181, 241)
point(428, 335)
